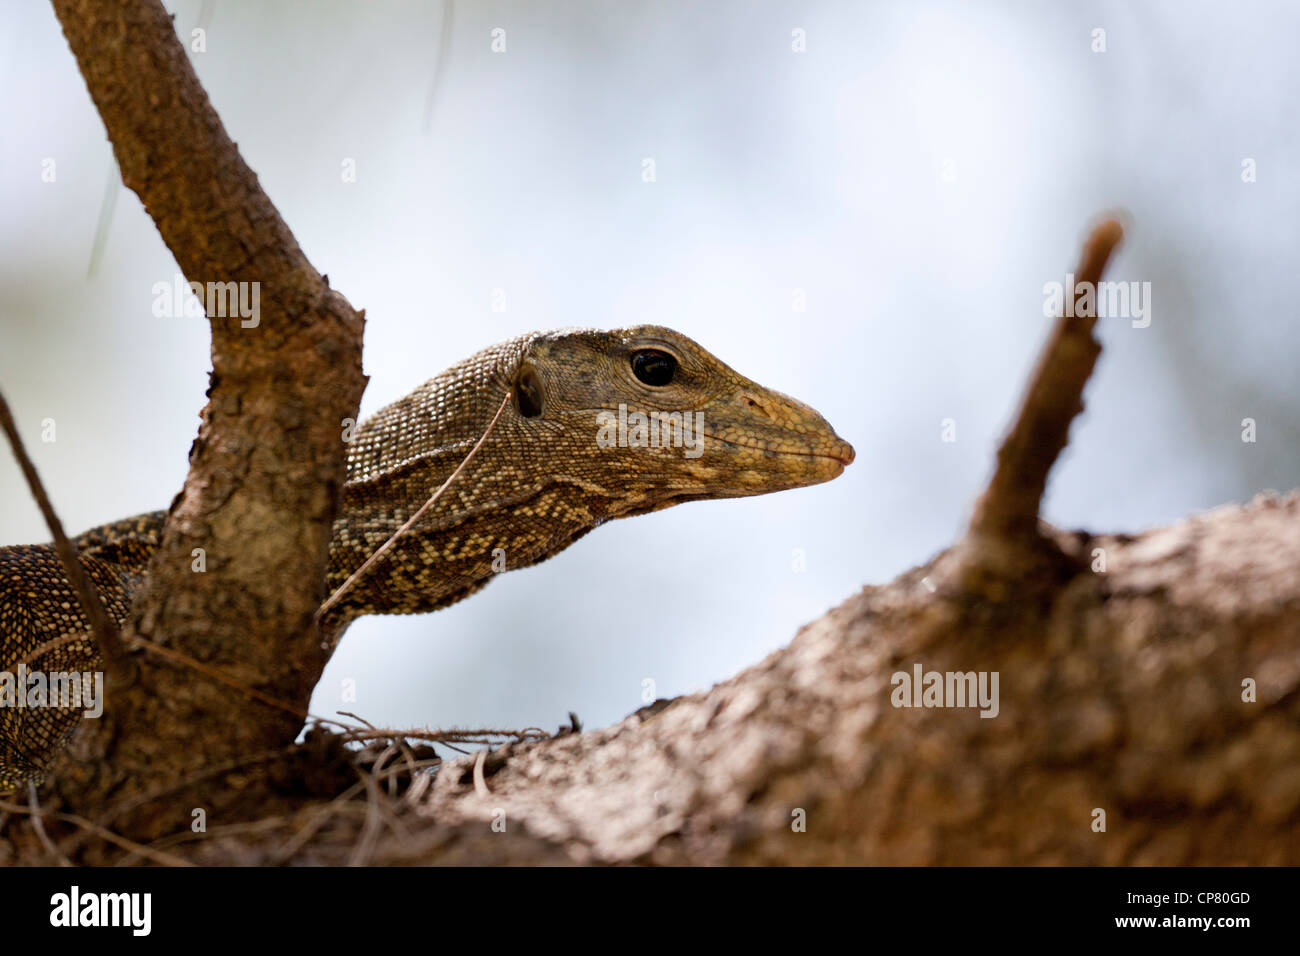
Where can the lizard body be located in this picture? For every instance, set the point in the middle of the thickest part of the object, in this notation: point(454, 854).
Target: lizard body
point(567, 454)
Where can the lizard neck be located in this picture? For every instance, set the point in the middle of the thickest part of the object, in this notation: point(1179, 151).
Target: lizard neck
point(397, 459)
point(431, 567)
point(119, 553)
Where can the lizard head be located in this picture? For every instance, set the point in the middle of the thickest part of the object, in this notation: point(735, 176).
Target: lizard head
point(544, 437)
point(654, 414)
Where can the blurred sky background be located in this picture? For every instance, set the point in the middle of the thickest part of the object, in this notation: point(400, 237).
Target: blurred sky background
point(920, 172)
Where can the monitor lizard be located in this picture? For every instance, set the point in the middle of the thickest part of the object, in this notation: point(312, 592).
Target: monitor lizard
point(599, 425)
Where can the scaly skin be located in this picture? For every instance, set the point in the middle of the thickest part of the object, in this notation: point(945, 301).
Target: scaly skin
point(540, 481)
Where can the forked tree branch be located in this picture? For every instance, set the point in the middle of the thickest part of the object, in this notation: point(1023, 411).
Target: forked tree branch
point(241, 565)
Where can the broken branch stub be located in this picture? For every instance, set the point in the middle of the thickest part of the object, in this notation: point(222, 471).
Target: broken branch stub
point(1005, 523)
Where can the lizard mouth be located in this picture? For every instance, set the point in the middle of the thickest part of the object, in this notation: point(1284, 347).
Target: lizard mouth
point(841, 451)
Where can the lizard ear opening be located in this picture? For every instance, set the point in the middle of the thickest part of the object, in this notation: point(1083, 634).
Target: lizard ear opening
point(528, 392)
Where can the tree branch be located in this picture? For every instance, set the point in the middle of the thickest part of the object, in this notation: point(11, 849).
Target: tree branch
point(101, 625)
point(1009, 507)
point(241, 566)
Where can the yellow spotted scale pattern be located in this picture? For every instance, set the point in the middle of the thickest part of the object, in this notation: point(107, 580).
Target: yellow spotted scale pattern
point(38, 608)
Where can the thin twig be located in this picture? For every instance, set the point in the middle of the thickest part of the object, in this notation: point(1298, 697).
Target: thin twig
point(319, 817)
point(106, 207)
point(370, 830)
point(38, 824)
point(480, 782)
point(32, 656)
point(116, 810)
point(357, 717)
point(186, 661)
point(387, 546)
point(485, 737)
point(157, 856)
point(444, 49)
point(101, 625)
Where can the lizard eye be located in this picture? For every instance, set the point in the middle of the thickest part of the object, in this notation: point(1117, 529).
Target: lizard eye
point(653, 366)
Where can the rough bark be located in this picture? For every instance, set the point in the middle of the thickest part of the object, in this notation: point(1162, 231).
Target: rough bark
point(1123, 692)
point(268, 463)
